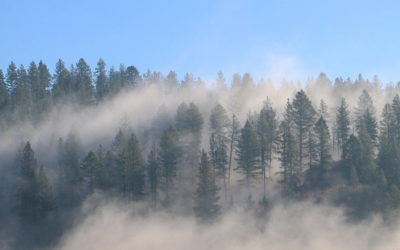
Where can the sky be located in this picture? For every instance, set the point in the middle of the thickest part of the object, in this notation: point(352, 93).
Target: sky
point(269, 39)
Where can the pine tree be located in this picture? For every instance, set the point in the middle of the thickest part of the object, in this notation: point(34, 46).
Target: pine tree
point(287, 150)
point(69, 155)
point(170, 153)
point(45, 80)
point(103, 175)
point(267, 132)
point(171, 81)
point(35, 195)
point(206, 197)
point(389, 160)
point(153, 172)
point(62, 81)
point(367, 168)
point(396, 114)
point(47, 202)
point(234, 133)
point(101, 80)
point(83, 83)
point(351, 159)
point(342, 124)
point(318, 171)
point(387, 124)
point(12, 77)
point(117, 158)
point(132, 76)
point(135, 172)
point(248, 153)
point(189, 124)
point(323, 110)
point(219, 125)
point(39, 87)
point(21, 96)
point(4, 94)
point(365, 116)
point(219, 157)
point(303, 115)
point(34, 81)
point(89, 170)
point(219, 120)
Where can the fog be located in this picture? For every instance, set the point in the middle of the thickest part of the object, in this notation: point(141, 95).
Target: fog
point(106, 223)
point(154, 106)
point(301, 225)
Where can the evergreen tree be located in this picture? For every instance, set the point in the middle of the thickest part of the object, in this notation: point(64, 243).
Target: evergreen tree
point(248, 153)
point(189, 124)
point(101, 80)
point(47, 202)
point(342, 124)
point(170, 153)
point(303, 115)
point(153, 172)
point(132, 76)
point(219, 125)
point(396, 114)
point(45, 80)
point(34, 81)
point(171, 81)
point(39, 85)
point(206, 197)
point(219, 157)
point(323, 110)
point(83, 83)
point(117, 160)
point(135, 172)
point(4, 94)
point(287, 150)
point(323, 137)
point(89, 170)
point(103, 175)
point(351, 159)
point(267, 132)
point(367, 168)
point(69, 155)
point(62, 81)
point(21, 95)
point(317, 173)
point(387, 123)
point(389, 160)
point(35, 197)
point(219, 120)
point(12, 77)
point(234, 133)
point(365, 116)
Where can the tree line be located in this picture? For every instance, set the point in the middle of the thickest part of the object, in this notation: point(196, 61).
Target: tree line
point(352, 160)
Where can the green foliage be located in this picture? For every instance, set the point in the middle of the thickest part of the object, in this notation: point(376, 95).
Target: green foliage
point(288, 154)
point(154, 173)
point(35, 196)
point(219, 124)
point(206, 196)
point(248, 153)
point(267, 129)
point(303, 115)
point(342, 124)
point(101, 80)
point(170, 152)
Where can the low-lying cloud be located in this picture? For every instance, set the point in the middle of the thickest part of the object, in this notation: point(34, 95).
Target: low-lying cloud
point(299, 226)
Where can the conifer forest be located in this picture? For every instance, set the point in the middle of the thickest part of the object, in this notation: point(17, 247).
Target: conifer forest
point(214, 157)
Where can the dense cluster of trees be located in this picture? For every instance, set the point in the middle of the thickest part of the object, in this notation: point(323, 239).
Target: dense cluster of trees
point(301, 141)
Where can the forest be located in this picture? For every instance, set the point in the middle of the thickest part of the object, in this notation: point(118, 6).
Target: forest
point(190, 147)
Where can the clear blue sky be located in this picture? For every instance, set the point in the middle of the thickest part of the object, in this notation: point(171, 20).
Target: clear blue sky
point(294, 39)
